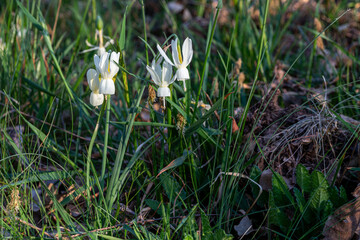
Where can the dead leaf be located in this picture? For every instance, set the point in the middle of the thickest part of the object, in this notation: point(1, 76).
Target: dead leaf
point(343, 224)
point(245, 226)
point(175, 7)
point(266, 180)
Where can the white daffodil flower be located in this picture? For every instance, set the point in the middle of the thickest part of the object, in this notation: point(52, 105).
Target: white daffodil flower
point(180, 61)
point(96, 98)
point(162, 77)
point(157, 62)
point(106, 66)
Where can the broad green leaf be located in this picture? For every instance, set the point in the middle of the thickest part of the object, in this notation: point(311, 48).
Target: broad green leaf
point(304, 209)
point(328, 208)
point(318, 180)
point(303, 178)
point(154, 205)
point(318, 199)
point(281, 193)
point(220, 234)
point(343, 194)
point(188, 237)
point(172, 188)
point(276, 216)
point(205, 223)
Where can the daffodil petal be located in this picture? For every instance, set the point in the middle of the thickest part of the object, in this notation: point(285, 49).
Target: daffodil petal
point(154, 76)
point(182, 73)
point(114, 60)
point(104, 64)
point(187, 51)
point(175, 52)
point(166, 74)
point(97, 63)
point(107, 87)
point(163, 54)
point(155, 65)
point(96, 99)
point(93, 79)
point(163, 92)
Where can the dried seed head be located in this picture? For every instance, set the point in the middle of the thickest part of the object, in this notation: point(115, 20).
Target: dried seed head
point(152, 95)
point(319, 28)
point(318, 25)
point(14, 204)
point(180, 123)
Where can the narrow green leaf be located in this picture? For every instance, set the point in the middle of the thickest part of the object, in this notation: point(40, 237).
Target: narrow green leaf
point(34, 85)
point(42, 176)
point(36, 23)
point(184, 220)
point(123, 32)
point(109, 237)
point(176, 162)
point(203, 118)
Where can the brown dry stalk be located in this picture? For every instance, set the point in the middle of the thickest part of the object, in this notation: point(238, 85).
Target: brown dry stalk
point(29, 225)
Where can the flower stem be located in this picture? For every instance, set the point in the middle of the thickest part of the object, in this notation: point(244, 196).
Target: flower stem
point(89, 154)
point(104, 157)
point(101, 40)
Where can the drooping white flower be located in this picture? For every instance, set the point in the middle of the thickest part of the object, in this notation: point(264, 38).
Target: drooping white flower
point(180, 61)
point(162, 76)
point(96, 98)
point(106, 66)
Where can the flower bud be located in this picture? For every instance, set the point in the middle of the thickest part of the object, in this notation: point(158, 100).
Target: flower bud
point(99, 23)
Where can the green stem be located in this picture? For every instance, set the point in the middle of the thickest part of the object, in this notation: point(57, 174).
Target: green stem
point(92, 141)
point(104, 157)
